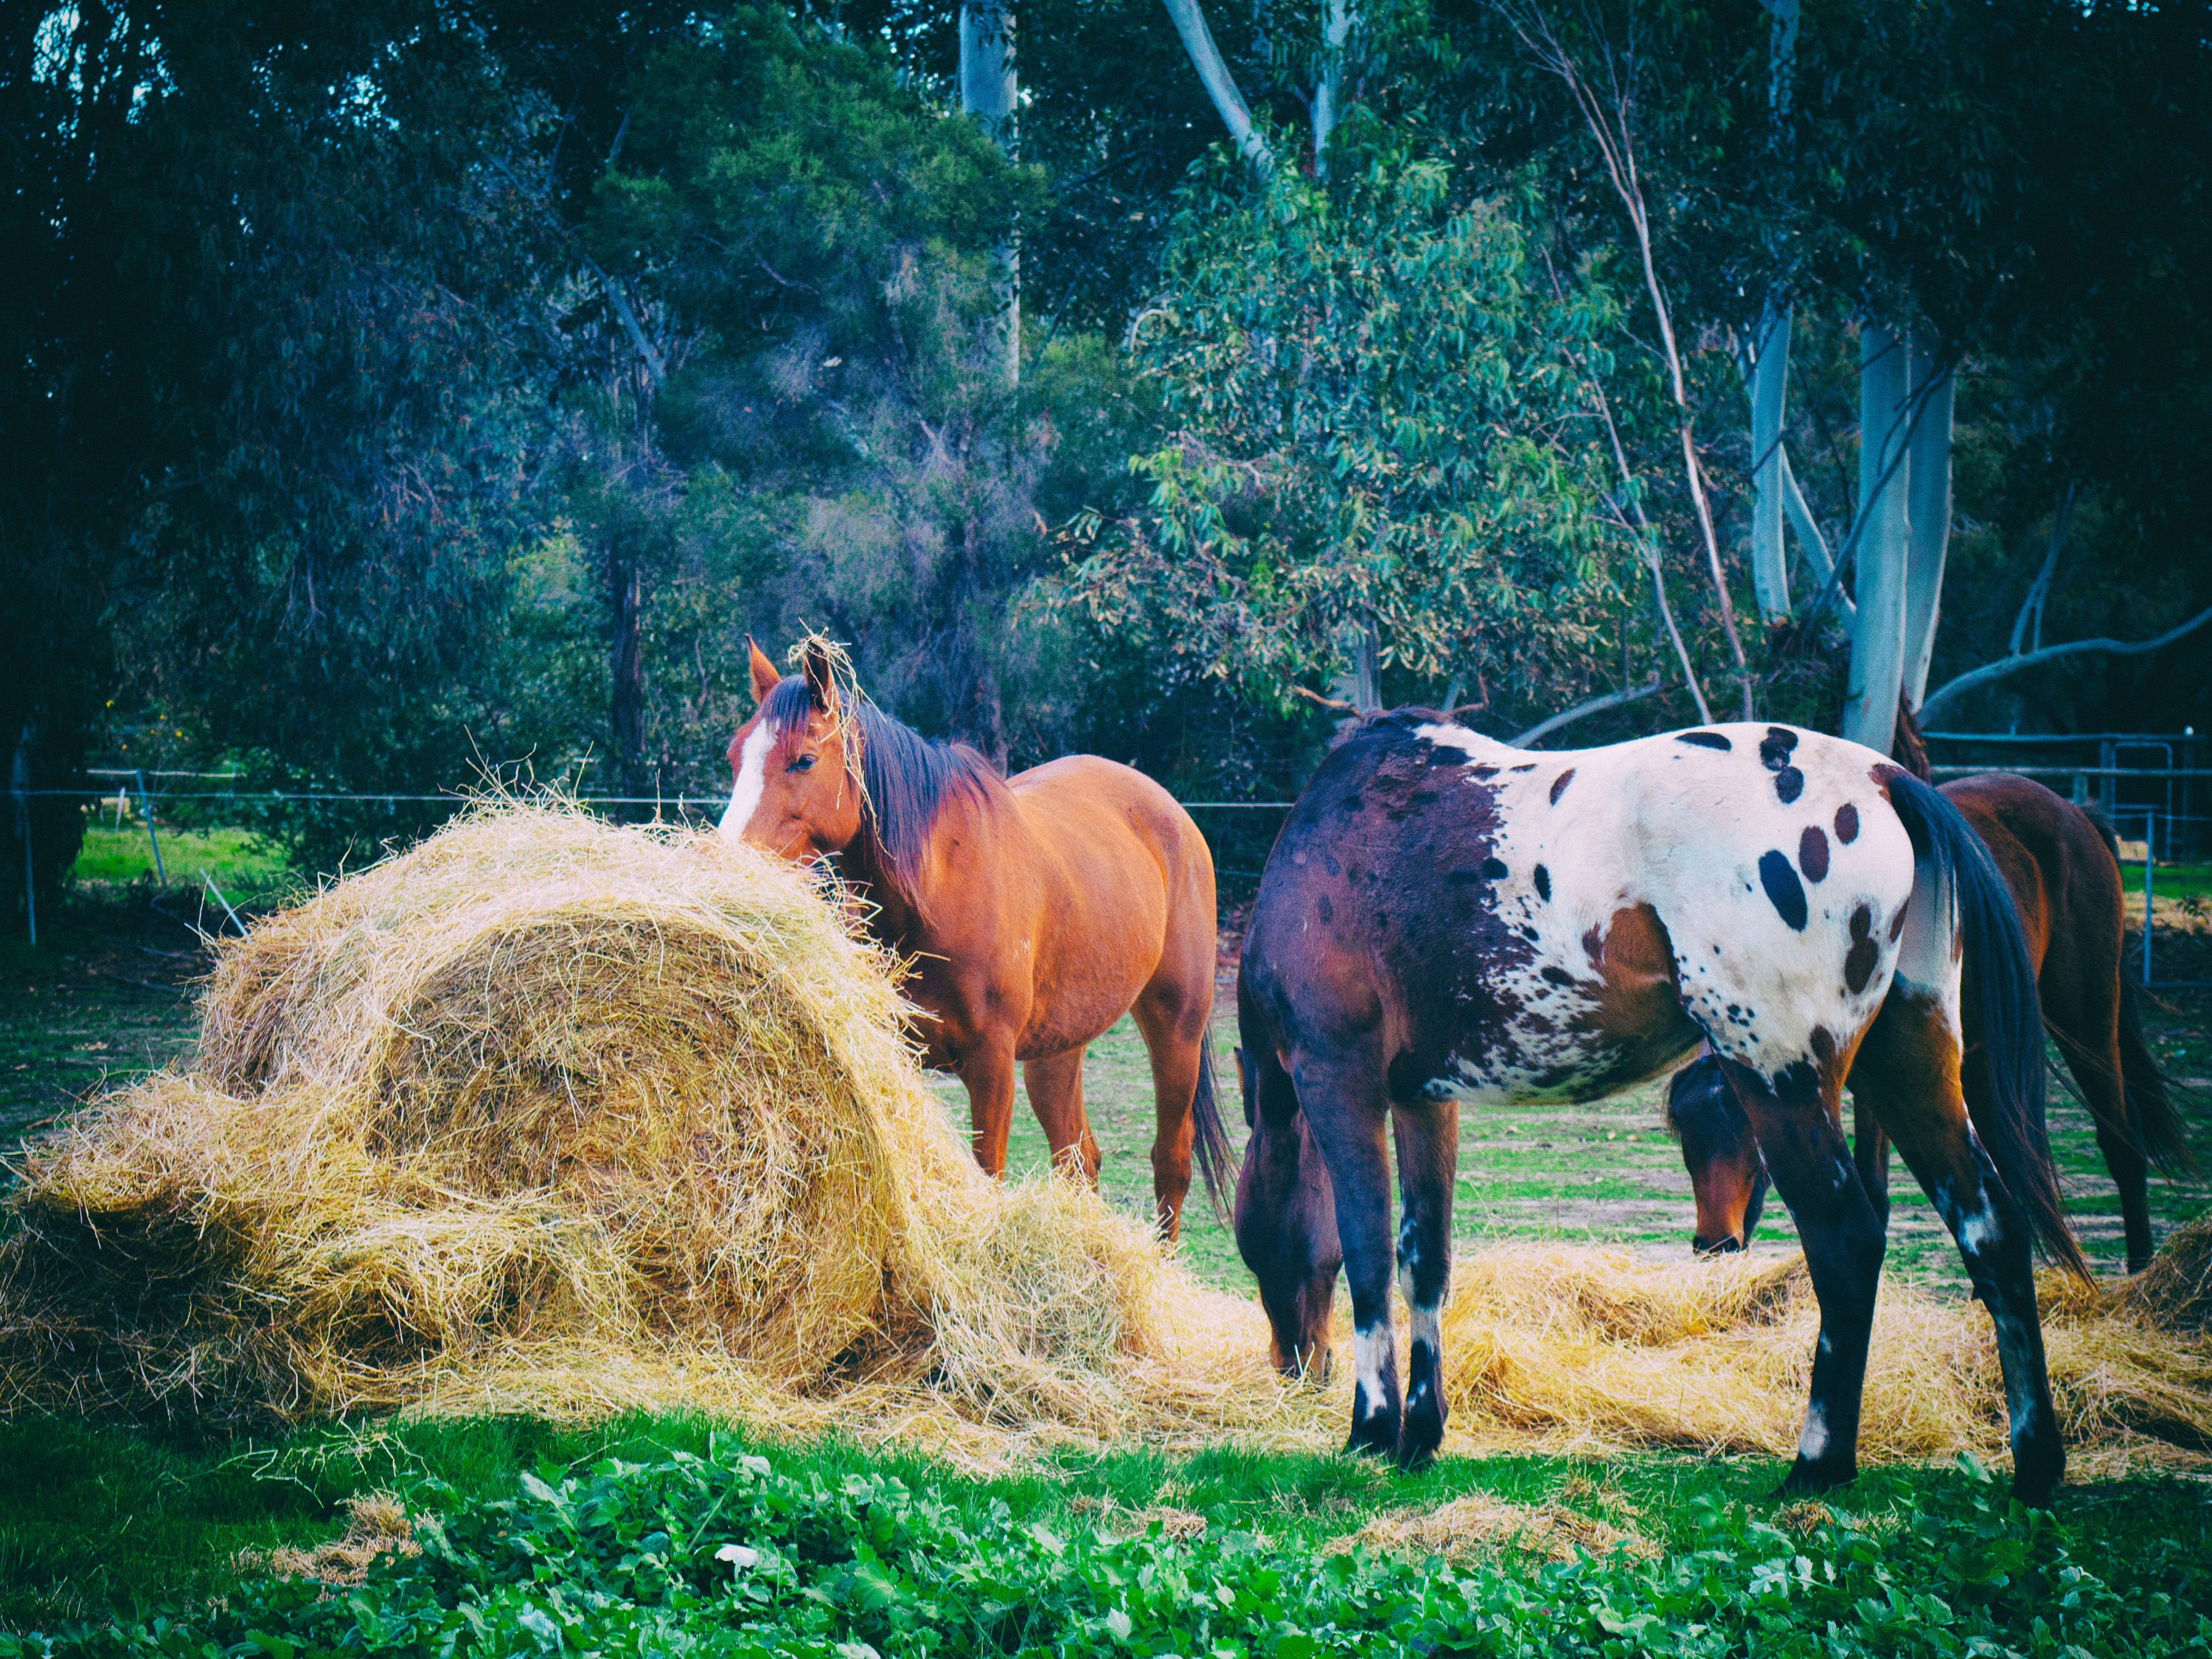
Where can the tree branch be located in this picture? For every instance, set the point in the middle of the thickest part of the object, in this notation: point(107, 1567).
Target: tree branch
point(1596, 705)
point(2005, 666)
point(1220, 86)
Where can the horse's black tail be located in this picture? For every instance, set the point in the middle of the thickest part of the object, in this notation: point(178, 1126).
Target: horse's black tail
point(1209, 1140)
point(2013, 1131)
point(2158, 1121)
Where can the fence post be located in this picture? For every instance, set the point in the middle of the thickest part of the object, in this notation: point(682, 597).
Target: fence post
point(2150, 857)
point(20, 778)
point(161, 876)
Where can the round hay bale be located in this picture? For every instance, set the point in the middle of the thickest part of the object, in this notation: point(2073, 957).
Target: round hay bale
point(540, 1080)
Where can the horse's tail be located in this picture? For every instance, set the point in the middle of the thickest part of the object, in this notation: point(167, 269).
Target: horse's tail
point(1209, 1140)
point(2158, 1121)
point(2010, 1017)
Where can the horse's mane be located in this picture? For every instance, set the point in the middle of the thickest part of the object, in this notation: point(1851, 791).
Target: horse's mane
point(906, 778)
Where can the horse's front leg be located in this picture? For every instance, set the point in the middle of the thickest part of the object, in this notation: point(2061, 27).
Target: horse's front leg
point(1428, 1160)
point(989, 1071)
point(1796, 1119)
point(1345, 1107)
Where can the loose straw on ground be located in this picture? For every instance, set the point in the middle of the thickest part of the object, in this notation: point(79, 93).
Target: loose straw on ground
point(547, 1115)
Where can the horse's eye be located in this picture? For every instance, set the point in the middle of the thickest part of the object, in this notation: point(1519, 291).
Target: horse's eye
point(800, 763)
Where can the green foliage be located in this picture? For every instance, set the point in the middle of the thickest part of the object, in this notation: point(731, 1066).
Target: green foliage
point(712, 1550)
point(1379, 410)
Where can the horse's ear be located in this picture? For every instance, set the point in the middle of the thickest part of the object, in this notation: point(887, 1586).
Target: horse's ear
point(821, 675)
point(765, 678)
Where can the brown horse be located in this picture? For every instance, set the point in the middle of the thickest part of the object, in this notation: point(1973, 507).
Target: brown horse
point(1036, 909)
point(1446, 918)
point(2061, 864)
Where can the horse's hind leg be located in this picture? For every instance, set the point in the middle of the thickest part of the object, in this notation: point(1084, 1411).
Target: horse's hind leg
point(2088, 1027)
point(1055, 1091)
point(1428, 1159)
point(1796, 1117)
point(1345, 1106)
point(1907, 1072)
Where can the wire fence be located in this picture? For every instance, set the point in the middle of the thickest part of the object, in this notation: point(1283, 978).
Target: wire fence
point(1243, 831)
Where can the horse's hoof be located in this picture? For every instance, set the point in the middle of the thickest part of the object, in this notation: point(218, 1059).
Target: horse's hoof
point(2036, 1471)
point(1805, 1479)
point(1376, 1437)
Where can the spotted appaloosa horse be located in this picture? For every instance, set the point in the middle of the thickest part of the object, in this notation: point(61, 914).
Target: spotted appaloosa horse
point(1036, 909)
point(2061, 866)
point(1444, 918)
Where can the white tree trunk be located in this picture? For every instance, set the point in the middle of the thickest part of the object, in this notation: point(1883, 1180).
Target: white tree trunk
point(989, 92)
point(1328, 96)
point(1928, 509)
point(1884, 541)
point(1220, 85)
point(1770, 383)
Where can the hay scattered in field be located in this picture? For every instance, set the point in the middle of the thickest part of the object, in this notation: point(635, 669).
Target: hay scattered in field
point(376, 1526)
point(1480, 1525)
point(555, 1117)
point(1574, 1349)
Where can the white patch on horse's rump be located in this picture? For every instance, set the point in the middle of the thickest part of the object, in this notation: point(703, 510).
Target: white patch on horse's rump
point(752, 778)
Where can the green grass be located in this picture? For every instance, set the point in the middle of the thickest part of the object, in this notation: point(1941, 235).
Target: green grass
point(241, 862)
point(100, 1519)
point(2168, 881)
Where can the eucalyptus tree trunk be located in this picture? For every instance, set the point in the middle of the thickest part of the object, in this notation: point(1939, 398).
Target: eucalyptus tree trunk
point(1769, 374)
point(1770, 382)
point(1883, 534)
point(989, 92)
point(1928, 509)
point(1328, 93)
point(1220, 85)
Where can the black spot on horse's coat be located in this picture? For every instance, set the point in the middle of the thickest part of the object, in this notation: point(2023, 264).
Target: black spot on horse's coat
point(1774, 748)
point(1543, 883)
point(1525, 766)
point(1847, 823)
point(1328, 863)
point(1706, 740)
point(1858, 963)
point(1560, 784)
point(1531, 934)
point(1493, 870)
point(1559, 976)
point(1789, 783)
point(1463, 877)
point(1328, 910)
point(1812, 853)
point(1783, 891)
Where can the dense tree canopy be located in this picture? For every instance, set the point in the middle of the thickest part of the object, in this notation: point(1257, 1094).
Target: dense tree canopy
point(395, 388)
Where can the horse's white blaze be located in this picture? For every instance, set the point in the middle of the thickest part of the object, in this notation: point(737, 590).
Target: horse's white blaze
point(752, 777)
point(1685, 830)
point(1812, 1439)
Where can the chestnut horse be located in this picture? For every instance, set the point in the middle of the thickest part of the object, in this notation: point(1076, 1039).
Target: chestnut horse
point(1036, 909)
point(1446, 918)
point(2061, 864)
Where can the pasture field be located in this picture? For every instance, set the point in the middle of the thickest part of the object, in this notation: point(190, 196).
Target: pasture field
point(125, 1527)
